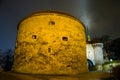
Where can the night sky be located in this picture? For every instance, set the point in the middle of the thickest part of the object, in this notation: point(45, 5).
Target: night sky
point(102, 17)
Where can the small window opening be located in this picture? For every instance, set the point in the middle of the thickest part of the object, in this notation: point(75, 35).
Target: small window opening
point(51, 23)
point(49, 49)
point(34, 36)
point(65, 38)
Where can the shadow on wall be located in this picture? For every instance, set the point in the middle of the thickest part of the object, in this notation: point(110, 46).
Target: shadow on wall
point(91, 66)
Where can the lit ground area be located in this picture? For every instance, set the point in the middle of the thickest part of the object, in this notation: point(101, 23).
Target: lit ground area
point(83, 76)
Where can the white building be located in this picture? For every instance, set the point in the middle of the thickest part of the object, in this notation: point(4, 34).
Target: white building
point(90, 52)
point(95, 53)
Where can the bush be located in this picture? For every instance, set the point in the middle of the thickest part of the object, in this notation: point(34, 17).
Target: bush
point(116, 72)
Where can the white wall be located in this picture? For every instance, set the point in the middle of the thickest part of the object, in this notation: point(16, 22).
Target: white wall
point(90, 52)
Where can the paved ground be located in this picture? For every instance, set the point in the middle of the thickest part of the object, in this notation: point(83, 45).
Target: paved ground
point(83, 76)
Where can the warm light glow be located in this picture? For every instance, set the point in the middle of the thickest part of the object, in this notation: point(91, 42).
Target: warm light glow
point(50, 43)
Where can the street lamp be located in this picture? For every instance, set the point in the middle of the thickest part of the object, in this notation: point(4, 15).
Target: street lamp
point(111, 66)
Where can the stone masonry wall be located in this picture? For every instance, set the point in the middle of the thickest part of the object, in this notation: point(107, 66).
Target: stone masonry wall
point(50, 43)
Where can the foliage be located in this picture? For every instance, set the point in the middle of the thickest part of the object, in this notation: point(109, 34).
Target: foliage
point(115, 47)
point(105, 38)
point(115, 61)
point(116, 72)
point(6, 59)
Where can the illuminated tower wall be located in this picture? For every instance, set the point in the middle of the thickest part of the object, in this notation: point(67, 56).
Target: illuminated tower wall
point(90, 53)
point(50, 42)
point(98, 53)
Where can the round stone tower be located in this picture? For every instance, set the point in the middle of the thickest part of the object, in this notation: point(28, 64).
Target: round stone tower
point(50, 42)
point(98, 53)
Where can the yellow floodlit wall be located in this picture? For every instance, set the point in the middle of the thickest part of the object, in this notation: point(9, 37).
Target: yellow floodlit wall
point(50, 43)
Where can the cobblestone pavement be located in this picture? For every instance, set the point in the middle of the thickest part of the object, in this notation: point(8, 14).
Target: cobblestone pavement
point(83, 76)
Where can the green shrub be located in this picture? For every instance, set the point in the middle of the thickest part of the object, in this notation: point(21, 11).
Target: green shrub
point(116, 72)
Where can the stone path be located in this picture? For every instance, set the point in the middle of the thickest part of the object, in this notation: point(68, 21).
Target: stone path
point(83, 76)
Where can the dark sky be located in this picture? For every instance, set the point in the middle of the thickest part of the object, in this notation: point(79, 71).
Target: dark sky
point(102, 17)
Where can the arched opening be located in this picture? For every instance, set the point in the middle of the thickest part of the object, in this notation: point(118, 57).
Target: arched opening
point(90, 65)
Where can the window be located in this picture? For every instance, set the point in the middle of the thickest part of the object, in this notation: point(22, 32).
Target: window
point(49, 49)
point(65, 38)
point(51, 23)
point(34, 36)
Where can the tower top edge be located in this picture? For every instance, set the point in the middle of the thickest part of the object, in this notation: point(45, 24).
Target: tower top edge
point(49, 12)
